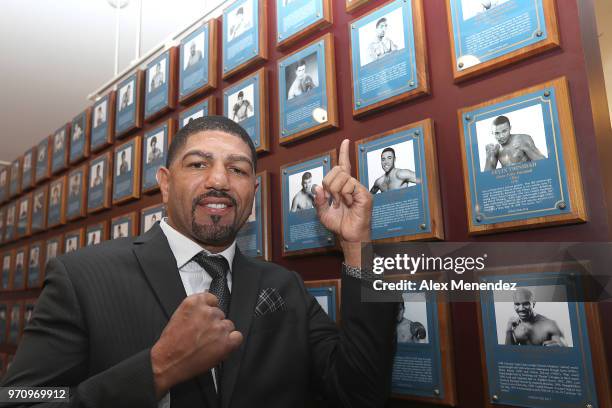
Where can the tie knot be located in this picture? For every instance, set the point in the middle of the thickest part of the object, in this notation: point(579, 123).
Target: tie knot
point(216, 266)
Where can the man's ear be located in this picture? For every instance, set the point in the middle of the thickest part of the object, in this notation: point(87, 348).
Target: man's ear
point(163, 179)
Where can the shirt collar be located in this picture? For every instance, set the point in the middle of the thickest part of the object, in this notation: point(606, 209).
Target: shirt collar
point(184, 248)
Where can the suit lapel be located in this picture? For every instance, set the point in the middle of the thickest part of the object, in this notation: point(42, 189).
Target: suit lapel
point(159, 267)
point(245, 289)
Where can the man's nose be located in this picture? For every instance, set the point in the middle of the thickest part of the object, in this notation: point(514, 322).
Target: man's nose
point(217, 177)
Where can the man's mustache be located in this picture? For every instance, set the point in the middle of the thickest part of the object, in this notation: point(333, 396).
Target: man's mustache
point(213, 193)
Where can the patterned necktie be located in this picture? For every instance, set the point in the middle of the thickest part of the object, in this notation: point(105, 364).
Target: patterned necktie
point(217, 267)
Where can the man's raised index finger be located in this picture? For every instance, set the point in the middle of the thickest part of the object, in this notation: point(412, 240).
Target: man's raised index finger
point(343, 157)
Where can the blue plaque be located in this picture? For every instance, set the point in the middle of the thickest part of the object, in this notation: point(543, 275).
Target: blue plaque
point(99, 182)
point(326, 296)
point(24, 216)
point(538, 353)
point(386, 58)
point(3, 322)
point(514, 151)
point(2, 218)
point(417, 366)
point(9, 225)
point(4, 183)
point(15, 180)
point(59, 150)
point(393, 167)
point(55, 210)
point(29, 310)
point(19, 270)
point(242, 103)
point(302, 230)
point(79, 143)
point(307, 90)
point(487, 33)
point(252, 238)
point(155, 147)
point(6, 270)
point(123, 226)
point(27, 173)
point(128, 104)
point(196, 111)
point(14, 323)
point(198, 61)
point(244, 39)
point(34, 265)
point(96, 233)
point(75, 203)
point(159, 97)
point(39, 209)
point(43, 161)
point(297, 18)
point(53, 249)
point(102, 122)
point(126, 162)
point(150, 215)
point(73, 240)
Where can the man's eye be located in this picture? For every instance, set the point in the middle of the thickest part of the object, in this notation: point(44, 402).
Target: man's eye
point(197, 165)
point(237, 170)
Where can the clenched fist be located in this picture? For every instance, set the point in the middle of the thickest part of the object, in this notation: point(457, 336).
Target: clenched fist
point(197, 338)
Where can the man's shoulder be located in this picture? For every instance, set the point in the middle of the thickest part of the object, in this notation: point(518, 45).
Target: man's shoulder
point(108, 255)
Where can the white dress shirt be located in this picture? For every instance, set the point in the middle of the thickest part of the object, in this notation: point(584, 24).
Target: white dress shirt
point(195, 278)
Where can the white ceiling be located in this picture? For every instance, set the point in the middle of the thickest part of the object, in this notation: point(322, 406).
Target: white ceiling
point(54, 53)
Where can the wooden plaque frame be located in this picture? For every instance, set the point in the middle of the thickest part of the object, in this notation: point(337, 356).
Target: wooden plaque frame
point(133, 216)
point(47, 174)
point(171, 123)
point(326, 21)
point(331, 91)
point(104, 231)
point(45, 202)
point(79, 233)
point(83, 199)
point(337, 283)
point(111, 105)
point(136, 168)
point(172, 80)
point(284, 253)
point(593, 322)
point(28, 230)
point(553, 41)
point(108, 179)
point(262, 35)
point(60, 180)
point(139, 91)
point(447, 363)
point(421, 59)
point(263, 106)
point(86, 135)
point(433, 185)
point(570, 161)
point(352, 5)
point(67, 129)
point(213, 58)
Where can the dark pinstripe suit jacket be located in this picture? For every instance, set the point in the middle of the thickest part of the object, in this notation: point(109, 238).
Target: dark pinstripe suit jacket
point(102, 309)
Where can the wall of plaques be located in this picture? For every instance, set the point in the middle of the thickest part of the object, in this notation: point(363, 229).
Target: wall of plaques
point(460, 132)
